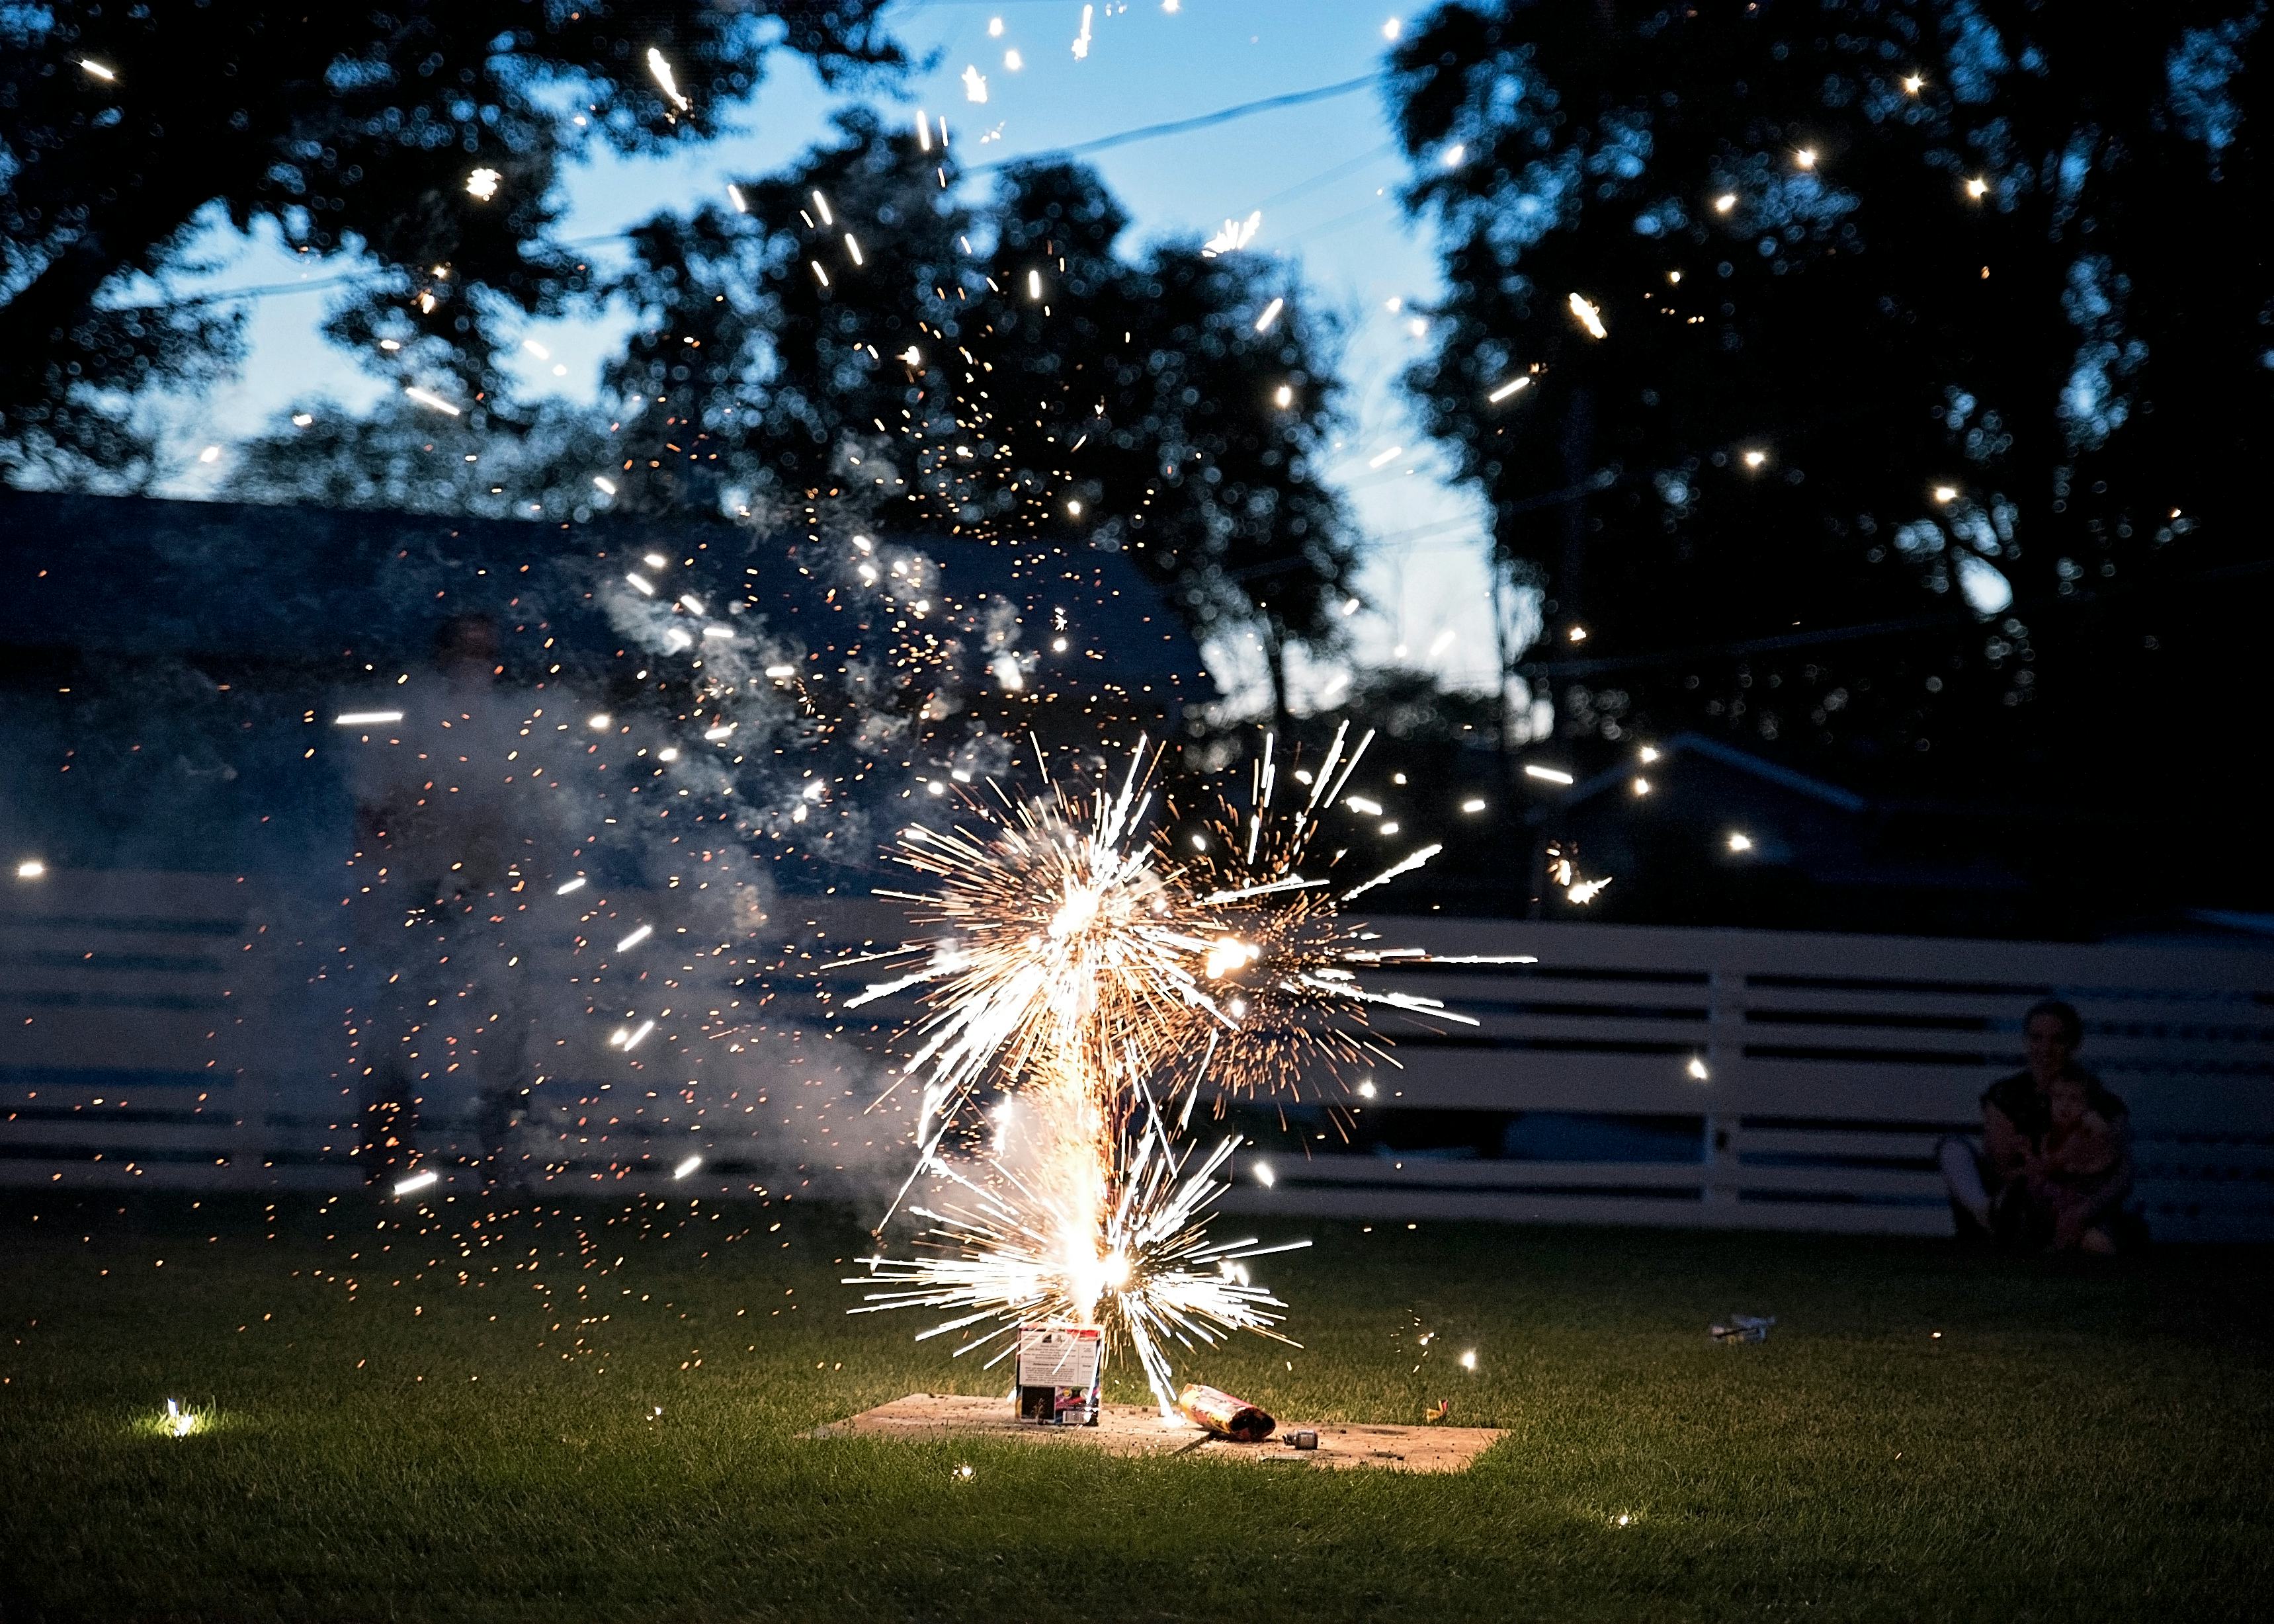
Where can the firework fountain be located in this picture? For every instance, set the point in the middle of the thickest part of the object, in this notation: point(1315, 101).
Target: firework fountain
point(1083, 982)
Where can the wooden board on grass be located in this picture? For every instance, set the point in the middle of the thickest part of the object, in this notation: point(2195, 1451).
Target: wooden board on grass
point(1137, 1429)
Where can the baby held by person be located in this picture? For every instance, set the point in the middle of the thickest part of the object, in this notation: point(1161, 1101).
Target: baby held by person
point(2071, 1163)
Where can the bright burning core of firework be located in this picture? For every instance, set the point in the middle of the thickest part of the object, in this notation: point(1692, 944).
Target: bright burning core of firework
point(1096, 979)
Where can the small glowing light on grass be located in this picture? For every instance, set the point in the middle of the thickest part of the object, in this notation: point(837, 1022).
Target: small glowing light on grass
point(1621, 1520)
point(416, 1182)
point(1270, 314)
point(1549, 775)
point(31, 869)
point(1512, 387)
point(1588, 316)
point(963, 1473)
point(1696, 1069)
point(180, 1422)
point(365, 718)
point(482, 185)
point(635, 939)
point(1741, 842)
point(1469, 1360)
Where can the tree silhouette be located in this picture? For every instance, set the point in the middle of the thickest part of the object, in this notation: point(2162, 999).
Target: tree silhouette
point(1930, 363)
point(847, 339)
point(123, 127)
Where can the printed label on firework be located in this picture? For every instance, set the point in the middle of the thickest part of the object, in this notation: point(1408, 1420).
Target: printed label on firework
point(1059, 1373)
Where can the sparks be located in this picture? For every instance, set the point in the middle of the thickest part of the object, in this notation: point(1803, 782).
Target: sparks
point(1588, 317)
point(1089, 972)
point(659, 71)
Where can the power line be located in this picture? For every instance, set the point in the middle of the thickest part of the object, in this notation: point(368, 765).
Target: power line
point(1122, 138)
point(1179, 126)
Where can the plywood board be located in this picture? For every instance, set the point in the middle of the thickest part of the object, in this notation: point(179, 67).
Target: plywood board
point(1137, 1429)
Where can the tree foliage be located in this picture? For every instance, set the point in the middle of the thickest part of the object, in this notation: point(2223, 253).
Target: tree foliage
point(351, 130)
point(1935, 355)
point(998, 370)
point(849, 339)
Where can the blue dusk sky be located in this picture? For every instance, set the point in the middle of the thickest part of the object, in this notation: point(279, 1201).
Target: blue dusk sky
point(1326, 174)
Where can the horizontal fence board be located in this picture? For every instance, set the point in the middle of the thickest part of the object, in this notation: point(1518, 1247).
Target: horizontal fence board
point(1833, 1063)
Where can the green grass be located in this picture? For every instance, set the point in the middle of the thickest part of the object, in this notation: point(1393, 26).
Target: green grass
point(2078, 1443)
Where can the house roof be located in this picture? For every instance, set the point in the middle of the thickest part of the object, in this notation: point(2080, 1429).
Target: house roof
point(141, 575)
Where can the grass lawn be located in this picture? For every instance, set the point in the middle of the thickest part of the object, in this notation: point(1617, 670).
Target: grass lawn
point(2076, 1443)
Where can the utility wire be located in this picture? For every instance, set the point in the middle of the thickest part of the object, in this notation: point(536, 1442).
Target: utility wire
point(1122, 138)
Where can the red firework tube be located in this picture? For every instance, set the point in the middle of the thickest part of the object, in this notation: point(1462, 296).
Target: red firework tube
point(1224, 1415)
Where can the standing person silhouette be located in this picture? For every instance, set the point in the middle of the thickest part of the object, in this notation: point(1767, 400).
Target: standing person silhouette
point(442, 1039)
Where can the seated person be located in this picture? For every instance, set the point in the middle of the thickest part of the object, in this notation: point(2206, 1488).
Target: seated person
point(2077, 1169)
point(1992, 1193)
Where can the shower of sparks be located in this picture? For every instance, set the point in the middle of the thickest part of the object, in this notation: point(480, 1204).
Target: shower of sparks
point(1015, 1252)
point(1080, 965)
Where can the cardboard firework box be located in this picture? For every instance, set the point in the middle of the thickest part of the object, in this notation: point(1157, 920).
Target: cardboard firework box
point(1058, 1367)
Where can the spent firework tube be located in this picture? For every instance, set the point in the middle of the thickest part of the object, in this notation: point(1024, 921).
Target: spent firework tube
point(1224, 1415)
